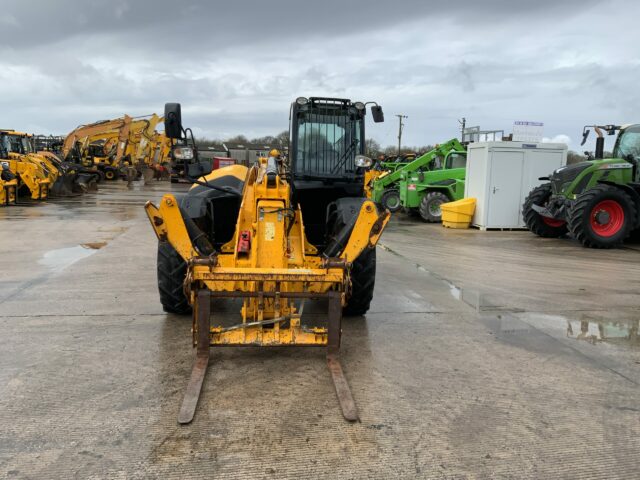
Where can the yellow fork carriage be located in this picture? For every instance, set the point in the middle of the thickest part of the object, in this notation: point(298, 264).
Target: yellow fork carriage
point(270, 265)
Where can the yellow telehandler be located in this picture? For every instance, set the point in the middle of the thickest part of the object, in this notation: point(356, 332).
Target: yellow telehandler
point(275, 235)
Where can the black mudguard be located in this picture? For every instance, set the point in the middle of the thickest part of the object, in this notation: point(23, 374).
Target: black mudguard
point(341, 218)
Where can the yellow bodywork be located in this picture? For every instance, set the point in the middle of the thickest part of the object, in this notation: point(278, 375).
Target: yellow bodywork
point(369, 177)
point(279, 264)
point(8, 189)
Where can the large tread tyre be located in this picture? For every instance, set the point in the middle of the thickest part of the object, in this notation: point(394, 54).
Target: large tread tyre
point(363, 280)
point(602, 217)
point(391, 200)
point(430, 206)
point(172, 270)
point(536, 223)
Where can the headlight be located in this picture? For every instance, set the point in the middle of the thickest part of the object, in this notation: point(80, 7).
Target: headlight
point(183, 153)
point(363, 161)
point(302, 100)
point(359, 105)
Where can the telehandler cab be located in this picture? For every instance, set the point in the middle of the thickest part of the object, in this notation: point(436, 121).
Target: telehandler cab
point(598, 200)
point(274, 235)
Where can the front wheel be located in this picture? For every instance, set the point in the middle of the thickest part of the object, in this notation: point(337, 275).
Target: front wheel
point(602, 217)
point(536, 223)
point(363, 280)
point(172, 270)
point(430, 206)
point(391, 200)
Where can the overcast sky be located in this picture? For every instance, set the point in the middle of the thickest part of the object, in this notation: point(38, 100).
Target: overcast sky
point(236, 65)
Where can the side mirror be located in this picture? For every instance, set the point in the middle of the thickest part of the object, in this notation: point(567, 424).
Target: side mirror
point(376, 112)
point(172, 120)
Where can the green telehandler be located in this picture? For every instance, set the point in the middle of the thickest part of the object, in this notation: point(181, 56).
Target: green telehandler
point(597, 200)
point(430, 167)
point(422, 192)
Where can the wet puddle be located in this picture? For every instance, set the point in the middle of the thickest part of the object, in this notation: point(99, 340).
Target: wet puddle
point(62, 258)
point(597, 331)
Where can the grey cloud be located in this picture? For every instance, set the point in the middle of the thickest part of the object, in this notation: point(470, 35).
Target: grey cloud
point(235, 66)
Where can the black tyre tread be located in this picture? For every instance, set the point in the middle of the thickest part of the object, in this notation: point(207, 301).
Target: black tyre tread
point(533, 220)
point(172, 270)
point(363, 280)
point(385, 197)
point(425, 214)
point(579, 215)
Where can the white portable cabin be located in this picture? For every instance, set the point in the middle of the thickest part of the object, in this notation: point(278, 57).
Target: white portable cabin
point(500, 175)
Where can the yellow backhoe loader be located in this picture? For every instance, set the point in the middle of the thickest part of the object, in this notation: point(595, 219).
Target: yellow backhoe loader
point(275, 236)
point(64, 179)
point(31, 171)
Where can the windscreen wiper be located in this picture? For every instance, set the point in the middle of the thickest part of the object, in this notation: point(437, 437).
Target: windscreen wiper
point(345, 156)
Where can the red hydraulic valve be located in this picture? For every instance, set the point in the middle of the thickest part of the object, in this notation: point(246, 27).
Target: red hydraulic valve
point(244, 242)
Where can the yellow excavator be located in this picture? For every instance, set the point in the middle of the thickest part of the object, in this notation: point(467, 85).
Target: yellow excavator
point(111, 146)
point(275, 236)
point(80, 145)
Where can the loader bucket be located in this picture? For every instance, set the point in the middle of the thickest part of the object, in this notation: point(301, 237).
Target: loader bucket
point(86, 182)
point(63, 186)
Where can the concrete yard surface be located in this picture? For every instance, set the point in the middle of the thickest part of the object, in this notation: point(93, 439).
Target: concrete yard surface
point(484, 355)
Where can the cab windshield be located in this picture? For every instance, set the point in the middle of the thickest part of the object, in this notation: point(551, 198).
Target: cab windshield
point(327, 143)
point(25, 143)
point(457, 160)
point(628, 144)
point(15, 144)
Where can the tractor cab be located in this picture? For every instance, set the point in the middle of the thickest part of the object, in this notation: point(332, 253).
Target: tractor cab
point(627, 147)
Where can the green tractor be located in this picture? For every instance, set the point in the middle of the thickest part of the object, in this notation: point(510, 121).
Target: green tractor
point(430, 167)
point(597, 200)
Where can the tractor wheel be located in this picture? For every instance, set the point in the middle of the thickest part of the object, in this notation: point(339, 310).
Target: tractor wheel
point(536, 223)
point(110, 174)
point(363, 280)
point(391, 200)
point(172, 270)
point(430, 206)
point(602, 217)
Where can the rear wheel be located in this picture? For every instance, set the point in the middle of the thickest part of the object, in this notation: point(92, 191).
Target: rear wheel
point(110, 174)
point(391, 200)
point(602, 217)
point(430, 206)
point(536, 223)
point(363, 280)
point(172, 270)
